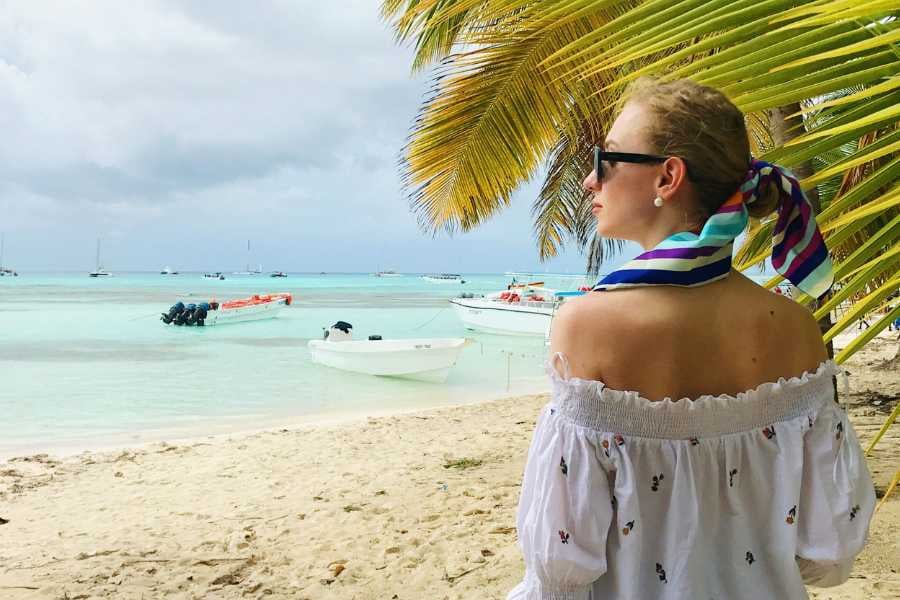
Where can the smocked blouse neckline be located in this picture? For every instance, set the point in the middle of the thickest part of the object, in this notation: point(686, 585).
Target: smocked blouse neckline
point(827, 368)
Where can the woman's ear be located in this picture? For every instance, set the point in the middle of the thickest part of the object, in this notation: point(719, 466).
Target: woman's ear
point(672, 177)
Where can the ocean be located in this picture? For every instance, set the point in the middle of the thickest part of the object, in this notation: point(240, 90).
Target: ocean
point(86, 363)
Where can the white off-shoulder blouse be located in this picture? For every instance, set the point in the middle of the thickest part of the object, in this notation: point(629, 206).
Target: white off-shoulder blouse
point(721, 497)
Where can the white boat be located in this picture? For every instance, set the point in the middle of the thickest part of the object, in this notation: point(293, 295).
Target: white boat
point(168, 271)
point(254, 308)
point(388, 274)
point(525, 309)
point(247, 270)
point(99, 271)
point(425, 359)
point(217, 275)
point(444, 278)
point(5, 271)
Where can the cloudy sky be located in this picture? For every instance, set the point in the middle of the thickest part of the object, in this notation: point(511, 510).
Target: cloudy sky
point(176, 131)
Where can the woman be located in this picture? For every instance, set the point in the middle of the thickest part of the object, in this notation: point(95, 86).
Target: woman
point(726, 470)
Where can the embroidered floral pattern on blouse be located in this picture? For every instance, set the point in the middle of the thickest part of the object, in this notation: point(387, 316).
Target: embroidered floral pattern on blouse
point(563, 466)
point(731, 475)
point(769, 432)
point(790, 515)
point(749, 558)
point(620, 441)
point(695, 441)
point(656, 481)
point(840, 430)
point(853, 512)
point(662, 573)
point(605, 444)
point(628, 527)
point(563, 537)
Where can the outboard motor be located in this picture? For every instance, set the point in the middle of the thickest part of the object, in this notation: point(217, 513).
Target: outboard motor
point(170, 316)
point(186, 315)
point(340, 332)
point(200, 314)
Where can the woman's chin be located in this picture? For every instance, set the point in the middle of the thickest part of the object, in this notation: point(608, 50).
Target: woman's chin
point(604, 229)
point(607, 230)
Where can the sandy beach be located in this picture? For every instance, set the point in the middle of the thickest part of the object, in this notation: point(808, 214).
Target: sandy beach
point(410, 506)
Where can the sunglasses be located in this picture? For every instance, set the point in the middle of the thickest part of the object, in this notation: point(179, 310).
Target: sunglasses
point(601, 155)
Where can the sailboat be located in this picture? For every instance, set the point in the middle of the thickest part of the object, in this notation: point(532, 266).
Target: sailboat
point(99, 271)
point(5, 271)
point(247, 270)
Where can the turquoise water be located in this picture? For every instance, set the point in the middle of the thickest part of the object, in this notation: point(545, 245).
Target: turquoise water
point(86, 363)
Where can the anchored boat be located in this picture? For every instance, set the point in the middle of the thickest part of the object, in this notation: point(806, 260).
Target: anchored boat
point(99, 271)
point(254, 308)
point(444, 278)
point(523, 309)
point(425, 359)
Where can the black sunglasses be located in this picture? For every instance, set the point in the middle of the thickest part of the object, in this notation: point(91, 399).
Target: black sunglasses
point(600, 155)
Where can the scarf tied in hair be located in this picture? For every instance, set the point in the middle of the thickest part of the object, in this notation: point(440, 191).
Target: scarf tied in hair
point(689, 259)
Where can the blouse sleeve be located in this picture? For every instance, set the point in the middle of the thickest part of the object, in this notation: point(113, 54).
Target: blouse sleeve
point(836, 503)
point(565, 512)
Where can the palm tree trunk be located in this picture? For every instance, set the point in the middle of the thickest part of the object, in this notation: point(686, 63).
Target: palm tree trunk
point(785, 128)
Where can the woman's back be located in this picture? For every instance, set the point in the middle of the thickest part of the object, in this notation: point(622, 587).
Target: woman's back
point(724, 338)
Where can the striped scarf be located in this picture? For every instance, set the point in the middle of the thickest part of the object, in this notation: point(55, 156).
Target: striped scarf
point(688, 259)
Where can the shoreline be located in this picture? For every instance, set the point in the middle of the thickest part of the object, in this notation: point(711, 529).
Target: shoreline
point(224, 427)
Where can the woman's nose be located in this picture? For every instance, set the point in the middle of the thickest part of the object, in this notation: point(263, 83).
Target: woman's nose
point(590, 183)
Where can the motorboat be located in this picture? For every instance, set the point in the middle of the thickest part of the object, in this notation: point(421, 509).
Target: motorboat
point(217, 275)
point(278, 274)
point(523, 309)
point(254, 308)
point(388, 274)
point(424, 359)
point(444, 278)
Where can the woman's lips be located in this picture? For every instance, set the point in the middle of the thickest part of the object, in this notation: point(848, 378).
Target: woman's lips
point(595, 207)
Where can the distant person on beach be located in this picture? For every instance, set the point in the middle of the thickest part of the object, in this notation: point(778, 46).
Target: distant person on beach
point(693, 446)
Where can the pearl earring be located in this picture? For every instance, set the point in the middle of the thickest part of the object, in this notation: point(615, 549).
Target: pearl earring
point(657, 202)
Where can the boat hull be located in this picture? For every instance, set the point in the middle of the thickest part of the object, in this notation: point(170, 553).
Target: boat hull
point(421, 359)
point(491, 316)
point(243, 314)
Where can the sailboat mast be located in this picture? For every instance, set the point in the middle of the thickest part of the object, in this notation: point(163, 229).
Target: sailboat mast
point(1, 250)
point(98, 254)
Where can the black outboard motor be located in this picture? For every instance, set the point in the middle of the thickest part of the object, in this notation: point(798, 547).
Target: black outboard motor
point(170, 316)
point(340, 332)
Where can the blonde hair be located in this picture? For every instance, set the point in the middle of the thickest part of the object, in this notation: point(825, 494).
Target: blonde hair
point(700, 125)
